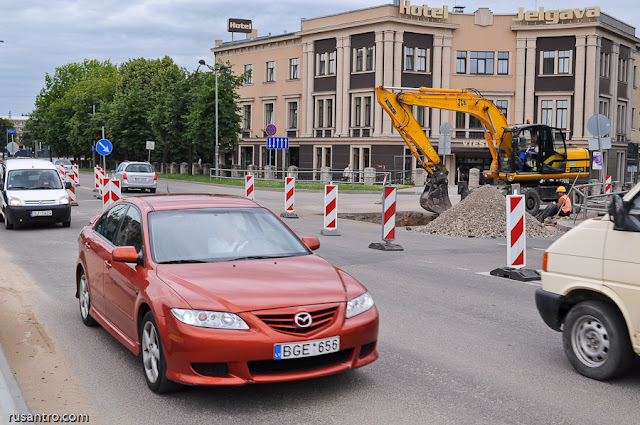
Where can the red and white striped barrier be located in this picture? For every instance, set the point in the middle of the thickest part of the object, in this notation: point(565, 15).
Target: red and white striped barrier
point(607, 185)
point(112, 193)
point(62, 174)
point(330, 210)
point(96, 178)
point(248, 187)
point(516, 232)
point(289, 193)
point(76, 171)
point(72, 195)
point(102, 179)
point(389, 214)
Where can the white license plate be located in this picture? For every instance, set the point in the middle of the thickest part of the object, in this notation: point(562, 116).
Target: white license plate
point(294, 350)
point(46, 213)
point(139, 179)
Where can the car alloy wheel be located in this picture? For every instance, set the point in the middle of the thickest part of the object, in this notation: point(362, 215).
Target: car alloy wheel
point(153, 361)
point(85, 301)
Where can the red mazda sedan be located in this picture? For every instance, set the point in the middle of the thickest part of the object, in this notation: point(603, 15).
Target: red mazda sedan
point(216, 290)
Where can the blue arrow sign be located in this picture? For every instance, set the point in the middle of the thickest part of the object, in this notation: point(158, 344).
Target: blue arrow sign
point(104, 147)
point(11, 131)
point(277, 143)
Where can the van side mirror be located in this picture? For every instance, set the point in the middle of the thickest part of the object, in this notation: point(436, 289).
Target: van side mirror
point(617, 212)
point(67, 185)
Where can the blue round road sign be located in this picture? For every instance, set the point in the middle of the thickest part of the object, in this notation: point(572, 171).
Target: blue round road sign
point(271, 129)
point(104, 147)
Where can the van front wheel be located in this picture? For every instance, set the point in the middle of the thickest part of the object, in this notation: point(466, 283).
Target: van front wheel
point(596, 340)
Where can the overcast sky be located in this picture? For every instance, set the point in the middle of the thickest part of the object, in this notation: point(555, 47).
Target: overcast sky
point(40, 35)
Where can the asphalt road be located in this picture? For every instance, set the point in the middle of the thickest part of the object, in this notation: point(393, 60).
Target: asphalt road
point(456, 345)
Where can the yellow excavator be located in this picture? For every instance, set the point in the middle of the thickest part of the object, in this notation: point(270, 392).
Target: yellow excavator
point(533, 155)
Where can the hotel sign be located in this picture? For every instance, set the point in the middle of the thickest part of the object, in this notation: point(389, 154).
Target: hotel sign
point(239, 25)
point(406, 8)
point(555, 16)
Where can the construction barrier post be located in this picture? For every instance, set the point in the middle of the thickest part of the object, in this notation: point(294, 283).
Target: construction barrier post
point(72, 195)
point(62, 174)
point(111, 193)
point(330, 211)
point(96, 179)
point(76, 171)
point(607, 187)
point(389, 199)
point(516, 243)
point(248, 187)
point(289, 195)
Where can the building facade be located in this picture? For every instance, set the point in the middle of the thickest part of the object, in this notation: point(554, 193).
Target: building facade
point(317, 85)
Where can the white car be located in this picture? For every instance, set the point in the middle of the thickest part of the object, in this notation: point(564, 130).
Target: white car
point(136, 175)
point(67, 165)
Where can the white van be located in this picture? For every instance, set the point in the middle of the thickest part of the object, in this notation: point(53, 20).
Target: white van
point(591, 290)
point(33, 192)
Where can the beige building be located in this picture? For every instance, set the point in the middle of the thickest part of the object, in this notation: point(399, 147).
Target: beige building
point(557, 67)
point(18, 123)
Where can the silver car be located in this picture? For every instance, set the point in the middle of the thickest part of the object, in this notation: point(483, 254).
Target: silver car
point(136, 175)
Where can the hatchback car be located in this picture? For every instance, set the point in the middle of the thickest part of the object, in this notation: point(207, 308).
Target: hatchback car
point(67, 165)
point(217, 290)
point(136, 175)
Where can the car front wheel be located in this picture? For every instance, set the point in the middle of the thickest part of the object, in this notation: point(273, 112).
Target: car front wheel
point(153, 360)
point(596, 340)
point(85, 301)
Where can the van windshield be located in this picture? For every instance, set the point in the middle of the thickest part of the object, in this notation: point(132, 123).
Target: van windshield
point(33, 179)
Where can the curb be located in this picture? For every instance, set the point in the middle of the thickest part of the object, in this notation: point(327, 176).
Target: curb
point(11, 397)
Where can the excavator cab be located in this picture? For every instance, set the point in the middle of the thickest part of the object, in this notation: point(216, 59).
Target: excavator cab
point(532, 150)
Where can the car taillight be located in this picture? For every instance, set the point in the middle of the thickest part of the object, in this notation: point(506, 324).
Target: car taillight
point(155, 176)
point(124, 176)
point(544, 261)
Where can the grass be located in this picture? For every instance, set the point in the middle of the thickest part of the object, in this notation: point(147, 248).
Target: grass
point(265, 183)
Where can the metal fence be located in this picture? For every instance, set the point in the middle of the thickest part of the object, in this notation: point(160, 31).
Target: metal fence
point(590, 199)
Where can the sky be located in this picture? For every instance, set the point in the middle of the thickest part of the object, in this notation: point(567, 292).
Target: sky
point(40, 35)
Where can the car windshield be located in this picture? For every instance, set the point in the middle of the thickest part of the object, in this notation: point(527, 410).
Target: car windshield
point(220, 234)
point(63, 161)
point(139, 168)
point(33, 179)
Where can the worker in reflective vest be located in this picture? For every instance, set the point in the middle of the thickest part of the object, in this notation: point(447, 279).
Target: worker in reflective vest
point(563, 206)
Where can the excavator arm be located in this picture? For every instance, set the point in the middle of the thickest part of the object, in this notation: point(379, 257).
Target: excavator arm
point(397, 104)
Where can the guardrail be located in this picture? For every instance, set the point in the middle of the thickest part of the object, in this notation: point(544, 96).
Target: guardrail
point(598, 203)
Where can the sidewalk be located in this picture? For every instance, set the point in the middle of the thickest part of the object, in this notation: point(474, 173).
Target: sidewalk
point(11, 398)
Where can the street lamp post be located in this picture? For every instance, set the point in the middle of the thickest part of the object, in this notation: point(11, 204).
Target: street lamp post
point(93, 154)
point(215, 71)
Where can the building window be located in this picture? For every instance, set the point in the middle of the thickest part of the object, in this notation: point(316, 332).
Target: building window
point(359, 66)
point(564, 59)
point(635, 77)
point(420, 116)
point(268, 114)
point(562, 108)
point(621, 129)
point(246, 118)
point(329, 113)
point(481, 63)
point(367, 111)
point(271, 71)
point(332, 63)
point(322, 64)
point(408, 59)
point(503, 63)
point(246, 156)
point(622, 70)
point(604, 107)
point(460, 125)
point(369, 58)
point(322, 157)
point(320, 123)
point(604, 65)
point(548, 62)
point(358, 111)
point(502, 106)
point(633, 119)
point(248, 74)
point(293, 114)
point(294, 65)
point(547, 112)
point(421, 63)
point(268, 156)
point(461, 62)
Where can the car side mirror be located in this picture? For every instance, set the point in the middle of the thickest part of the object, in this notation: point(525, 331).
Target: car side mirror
point(125, 254)
point(67, 185)
point(311, 242)
point(617, 212)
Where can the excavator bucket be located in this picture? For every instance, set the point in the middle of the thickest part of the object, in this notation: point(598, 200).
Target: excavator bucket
point(435, 197)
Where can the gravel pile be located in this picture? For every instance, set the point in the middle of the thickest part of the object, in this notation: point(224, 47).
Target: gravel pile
point(482, 214)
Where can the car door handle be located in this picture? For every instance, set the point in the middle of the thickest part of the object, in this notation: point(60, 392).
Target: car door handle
point(107, 263)
point(88, 245)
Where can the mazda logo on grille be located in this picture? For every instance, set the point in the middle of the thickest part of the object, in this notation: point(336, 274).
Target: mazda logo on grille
point(303, 320)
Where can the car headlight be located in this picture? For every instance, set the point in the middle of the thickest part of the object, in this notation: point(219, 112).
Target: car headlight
point(359, 305)
point(209, 319)
point(15, 202)
point(64, 200)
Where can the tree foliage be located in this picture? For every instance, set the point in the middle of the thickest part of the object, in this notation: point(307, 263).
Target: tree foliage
point(139, 100)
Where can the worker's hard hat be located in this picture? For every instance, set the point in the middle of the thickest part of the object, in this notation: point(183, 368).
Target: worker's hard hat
point(561, 189)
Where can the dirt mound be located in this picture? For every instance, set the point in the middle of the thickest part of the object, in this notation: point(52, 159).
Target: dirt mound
point(483, 214)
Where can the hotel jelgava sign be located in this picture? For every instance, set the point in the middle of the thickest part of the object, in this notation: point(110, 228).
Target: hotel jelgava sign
point(406, 8)
point(555, 16)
